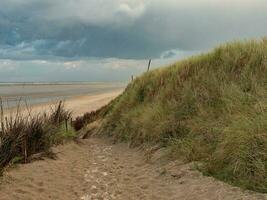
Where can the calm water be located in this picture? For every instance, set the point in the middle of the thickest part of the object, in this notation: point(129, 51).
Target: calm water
point(12, 94)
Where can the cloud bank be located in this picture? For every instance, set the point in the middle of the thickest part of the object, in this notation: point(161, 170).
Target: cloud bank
point(123, 28)
point(73, 30)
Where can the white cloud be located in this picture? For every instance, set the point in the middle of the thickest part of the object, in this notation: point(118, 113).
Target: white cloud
point(96, 12)
point(131, 11)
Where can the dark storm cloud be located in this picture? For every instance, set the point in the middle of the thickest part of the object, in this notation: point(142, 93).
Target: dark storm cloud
point(48, 29)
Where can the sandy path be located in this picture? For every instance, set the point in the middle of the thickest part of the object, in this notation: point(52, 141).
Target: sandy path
point(99, 170)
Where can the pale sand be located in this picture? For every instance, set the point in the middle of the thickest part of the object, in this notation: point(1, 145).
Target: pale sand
point(96, 169)
point(77, 105)
point(82, 104)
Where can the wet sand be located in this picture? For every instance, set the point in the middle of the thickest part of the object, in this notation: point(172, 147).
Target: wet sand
point(36, 94)
point(77, 105)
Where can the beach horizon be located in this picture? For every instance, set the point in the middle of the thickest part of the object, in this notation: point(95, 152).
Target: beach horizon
point(38, 94)
point(77, 105)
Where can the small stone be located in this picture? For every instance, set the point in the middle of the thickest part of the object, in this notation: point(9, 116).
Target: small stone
point(105, 173)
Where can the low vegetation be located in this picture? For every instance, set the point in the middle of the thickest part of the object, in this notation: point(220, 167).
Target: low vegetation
point(210, 108)
point(89, 117)
point(23, 135)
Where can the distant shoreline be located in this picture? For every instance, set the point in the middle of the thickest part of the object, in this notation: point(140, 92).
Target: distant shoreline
point(13, 94)
point(59, 83)
point(78, 105)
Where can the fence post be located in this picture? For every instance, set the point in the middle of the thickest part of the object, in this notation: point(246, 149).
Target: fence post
point(149, 63)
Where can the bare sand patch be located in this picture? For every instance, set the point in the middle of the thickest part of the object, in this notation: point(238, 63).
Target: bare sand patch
point(96, 169)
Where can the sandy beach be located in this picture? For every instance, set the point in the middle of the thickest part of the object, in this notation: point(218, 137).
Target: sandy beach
point(82, 104)
point(77, 105)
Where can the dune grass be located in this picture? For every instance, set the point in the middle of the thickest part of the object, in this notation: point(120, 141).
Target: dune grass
point(210, 108)
point(24, 135)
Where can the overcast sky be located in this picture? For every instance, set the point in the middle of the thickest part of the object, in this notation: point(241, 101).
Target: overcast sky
point(106, 40)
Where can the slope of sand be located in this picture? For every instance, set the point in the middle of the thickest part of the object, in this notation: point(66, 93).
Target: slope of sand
point(96, 169)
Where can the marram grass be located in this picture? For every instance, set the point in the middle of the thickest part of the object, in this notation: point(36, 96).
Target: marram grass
point(210, 108)
point(22, 136)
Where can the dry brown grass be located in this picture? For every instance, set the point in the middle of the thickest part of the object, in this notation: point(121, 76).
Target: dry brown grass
point(22, 136)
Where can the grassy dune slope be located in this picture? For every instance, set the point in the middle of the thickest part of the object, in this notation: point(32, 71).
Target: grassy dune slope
point(210, 108)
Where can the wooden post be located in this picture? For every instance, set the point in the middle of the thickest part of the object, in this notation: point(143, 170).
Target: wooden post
point(149, 63)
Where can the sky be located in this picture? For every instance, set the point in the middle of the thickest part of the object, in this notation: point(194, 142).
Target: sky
point(110, 40)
